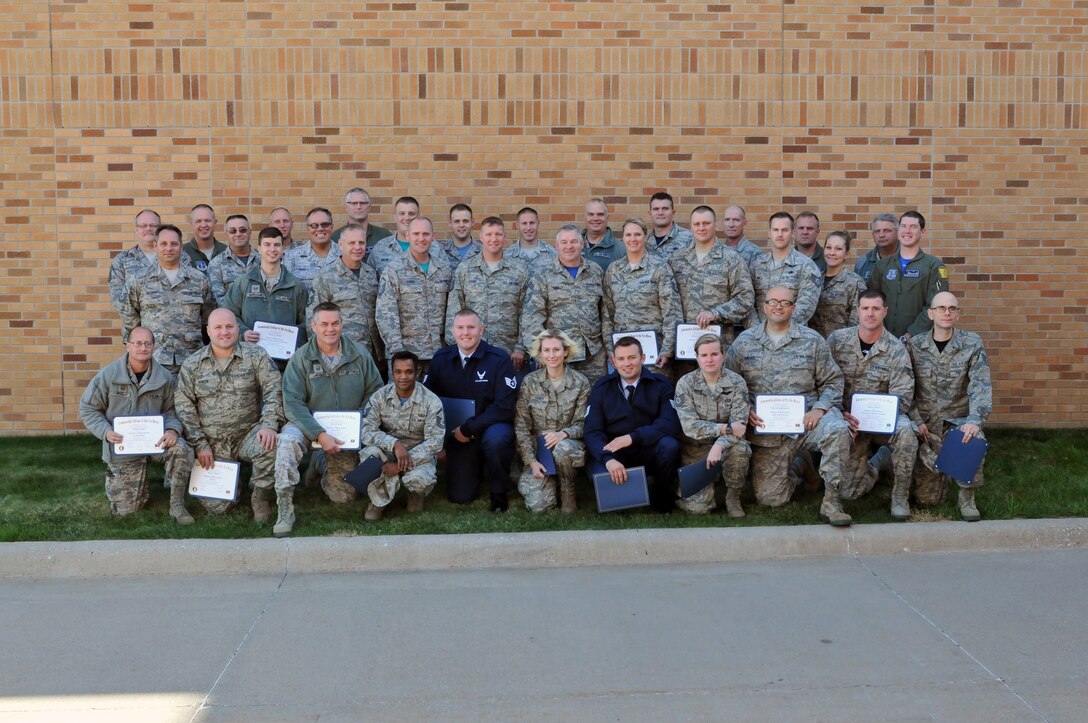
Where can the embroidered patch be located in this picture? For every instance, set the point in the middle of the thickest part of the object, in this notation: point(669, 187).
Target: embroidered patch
point(511, 382)
point(892, 274)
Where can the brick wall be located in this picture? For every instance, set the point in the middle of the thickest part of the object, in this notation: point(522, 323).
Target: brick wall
point(973, 111)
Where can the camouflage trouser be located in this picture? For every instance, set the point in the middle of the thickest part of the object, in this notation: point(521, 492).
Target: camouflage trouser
point(859, 477)
point(593, 367)
point(540, 494)
point(771, 478)
point(735, 459)
point(290, 449)
point(246, 449)
point(930, 486)
point(126, 480)
point(420, 479)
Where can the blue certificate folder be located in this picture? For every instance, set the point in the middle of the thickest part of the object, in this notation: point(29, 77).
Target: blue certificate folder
point(544, 455)
point(457, 411)
point(961, 461)
point(696, 476)
point(630, 494)
point(361, 477)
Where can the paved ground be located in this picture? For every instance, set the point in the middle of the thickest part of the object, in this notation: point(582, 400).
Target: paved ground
point(986, 636)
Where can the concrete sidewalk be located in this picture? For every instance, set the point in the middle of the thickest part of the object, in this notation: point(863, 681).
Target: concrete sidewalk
point(309, 555)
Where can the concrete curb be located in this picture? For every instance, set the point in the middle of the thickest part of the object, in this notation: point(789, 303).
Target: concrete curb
point(307, 555)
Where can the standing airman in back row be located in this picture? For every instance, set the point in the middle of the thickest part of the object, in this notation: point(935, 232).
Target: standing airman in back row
point(395, 245)
point(357, 204)
point(132, 262)
point(307, 260)
point(353, 286)
point(669, 237)
point(785, 266)
point(232, 263)
point(460, 246)
point(909, 280)
point(528, 247)
point(600, 246)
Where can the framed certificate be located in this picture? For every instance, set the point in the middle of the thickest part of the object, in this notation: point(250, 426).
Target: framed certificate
point(278, 340)
point(781, 413)
point(876, 413)
point(341, 425)
point(646, 337)
point(140, 435)
point(688, 334)
point(218, 483)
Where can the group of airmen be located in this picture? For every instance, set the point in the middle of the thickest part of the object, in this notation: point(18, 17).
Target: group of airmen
point(546, 340)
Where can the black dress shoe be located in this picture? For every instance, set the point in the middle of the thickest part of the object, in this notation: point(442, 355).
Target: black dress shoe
point(499, 503)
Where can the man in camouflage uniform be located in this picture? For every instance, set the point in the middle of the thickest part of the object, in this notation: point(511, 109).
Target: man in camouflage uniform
point(353, 286)
point(712, 404)
point(713, 280)
point(669, 237)
point(733, 222)
point(171, 299)
point(785, 266)
point(873, 361)
point(229, 400)
point(395, 245)
point(411, 307)
point(569, 295)
point(232, 263)
point(282, 219)
point(492, 283)
point(132, 262)
point(952, 389)
point(329, 373)
point(529, 248)
point(460, 246)
point(136, 385)
point(307, 260)
point(405, 426)
point(780, 357)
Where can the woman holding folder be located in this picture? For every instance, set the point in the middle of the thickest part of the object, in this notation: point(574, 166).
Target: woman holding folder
point(548, 424)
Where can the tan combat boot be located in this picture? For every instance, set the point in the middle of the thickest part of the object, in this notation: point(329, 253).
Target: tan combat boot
point(732, 502)
point(900, 508)
point(177, 505)
point(568, 505)
point(831, 510)
point(415, 502)
point(967, 505)
point(261, 501)
point(373, 514)
point(285, 512)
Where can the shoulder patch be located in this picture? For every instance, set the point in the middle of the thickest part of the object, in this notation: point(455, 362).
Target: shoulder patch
point(943, 271)
point(511, 382)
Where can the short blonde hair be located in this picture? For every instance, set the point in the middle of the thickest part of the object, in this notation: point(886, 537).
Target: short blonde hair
point(569, 346)
point(708, 338)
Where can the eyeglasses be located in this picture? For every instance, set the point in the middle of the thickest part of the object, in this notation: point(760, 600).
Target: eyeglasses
point(142, 344)
point(243, 229)
point(147, 226)
point(315, 226)
point(946, 309)
point(775, 303)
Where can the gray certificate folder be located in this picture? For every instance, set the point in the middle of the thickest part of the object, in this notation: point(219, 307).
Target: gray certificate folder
point(961, 461)
point(696, 476)
point(632, 493)
point(457, 411)
point(361, 477)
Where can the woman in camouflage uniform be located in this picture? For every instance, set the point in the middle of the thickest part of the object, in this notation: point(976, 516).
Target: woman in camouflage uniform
point(838, 305)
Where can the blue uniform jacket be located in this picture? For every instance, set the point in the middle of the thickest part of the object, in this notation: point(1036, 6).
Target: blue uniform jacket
point(647, 420)
point(489, 379)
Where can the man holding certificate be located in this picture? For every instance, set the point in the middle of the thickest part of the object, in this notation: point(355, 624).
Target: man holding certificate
point(228, 398)
point(270, 302)
point(330, 378)
point(129, 405)
point(953, 391)
point(796, 389)
point(879, 389)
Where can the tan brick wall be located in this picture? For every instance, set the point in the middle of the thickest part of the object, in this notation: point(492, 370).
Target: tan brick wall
point(973, 111)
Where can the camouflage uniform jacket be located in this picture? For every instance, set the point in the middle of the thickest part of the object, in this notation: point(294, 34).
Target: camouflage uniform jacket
point(703, 408)
point(128, 265)
point(678, 239)
point(304, 263)
point(747, 250)
point(224, 405)
point(720, 284)
point(797, 272)
point(605, 251)
point(453, 258)
point(800, 363)
point(114, 393)
point(544, 407)
point(952, 386)
point(225, 268)
point(355, 295)
point(498, 296)
point(419, 424)
point(175, 313)
point(251, 301)
point(642, 297)
point(576, 306)
point(411, 308)
point(385, 252)
point(838, 304)
point(886, 369)
point(535, 259)
point(309, 387)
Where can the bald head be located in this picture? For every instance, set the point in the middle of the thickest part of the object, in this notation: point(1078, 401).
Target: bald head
point(223, 332)
point(944, 311)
